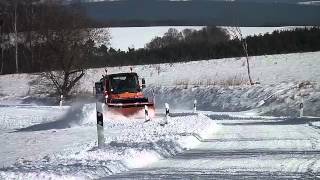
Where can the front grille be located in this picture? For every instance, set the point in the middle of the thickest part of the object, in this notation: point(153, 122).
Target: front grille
point(132, 100)
point(130, 105)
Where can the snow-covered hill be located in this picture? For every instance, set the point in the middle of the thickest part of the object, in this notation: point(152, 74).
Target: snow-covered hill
point(218, 85)
point(222, 84)
point(51, 142)
point(268, 69)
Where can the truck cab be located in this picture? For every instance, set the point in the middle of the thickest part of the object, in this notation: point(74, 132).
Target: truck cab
point(122, 92)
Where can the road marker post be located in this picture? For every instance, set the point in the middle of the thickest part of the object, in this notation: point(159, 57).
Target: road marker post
point(61, 101)
point(100, 129)
point(301, 109)
point(167, 112)
point(146, 114)
point(165, 121)
point(195, 106)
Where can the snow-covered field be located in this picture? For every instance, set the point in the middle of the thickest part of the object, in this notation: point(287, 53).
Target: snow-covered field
point(268, 69)
point(285, 80)
point(219, 85)
point(41, 141)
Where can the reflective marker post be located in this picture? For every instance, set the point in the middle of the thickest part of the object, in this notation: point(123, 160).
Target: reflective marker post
point(165, 121)
point(146, 114)
point(61, 100)
point(195, 106)
point(301, 108)
point(100, 129)
point(167, 112)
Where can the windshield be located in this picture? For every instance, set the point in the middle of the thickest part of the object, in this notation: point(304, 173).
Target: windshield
point(124, 83)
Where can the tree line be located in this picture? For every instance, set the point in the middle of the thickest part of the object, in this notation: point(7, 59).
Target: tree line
point(37, 48)
point(208, 43)
point(47, 36)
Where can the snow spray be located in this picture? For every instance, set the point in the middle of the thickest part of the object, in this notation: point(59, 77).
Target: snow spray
point(146, 114)
point(154, 96)
point(100, 129)
point(195, 106)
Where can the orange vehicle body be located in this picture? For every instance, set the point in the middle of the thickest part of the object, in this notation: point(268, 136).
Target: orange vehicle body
point(123, 95)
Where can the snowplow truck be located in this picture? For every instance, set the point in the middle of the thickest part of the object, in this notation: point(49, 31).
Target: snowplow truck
point(122, 93)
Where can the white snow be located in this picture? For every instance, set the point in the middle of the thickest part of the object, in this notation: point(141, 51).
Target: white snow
point(10, 119)
point(58, 146)
point(269, 69)
point(245, 150)
point(210, 82)
point(315, 124)
point(51, 142)
point(313, 3)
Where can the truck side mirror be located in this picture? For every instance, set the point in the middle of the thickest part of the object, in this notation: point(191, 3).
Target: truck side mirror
point(143, 82)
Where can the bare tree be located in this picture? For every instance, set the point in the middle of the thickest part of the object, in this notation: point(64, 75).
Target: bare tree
point(13, 16)
point(67, 44)
point(3, 19)
point(29, 19)
point(155, 43)
point(236, 33)
point(172, 36)
point(1, 44)
point(15, 6)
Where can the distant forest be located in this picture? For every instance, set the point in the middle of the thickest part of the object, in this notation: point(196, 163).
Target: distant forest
point(207, 43)
point(44, 36)
point(187, 45)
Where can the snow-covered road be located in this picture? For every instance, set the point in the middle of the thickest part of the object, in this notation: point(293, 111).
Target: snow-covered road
point(244, 149)
point(48, 142)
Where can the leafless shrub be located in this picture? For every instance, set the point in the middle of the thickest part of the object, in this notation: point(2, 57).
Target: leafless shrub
point(158, 68)
point(184, 83)
point(233, 81)
point(230, 81)
point(236, 33)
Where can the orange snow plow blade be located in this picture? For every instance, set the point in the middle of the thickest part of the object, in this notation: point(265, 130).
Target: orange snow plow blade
point(135, 110)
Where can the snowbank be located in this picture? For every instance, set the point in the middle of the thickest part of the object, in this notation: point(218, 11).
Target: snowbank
point(275, 100)
point(64, 152)
point(315, 124)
